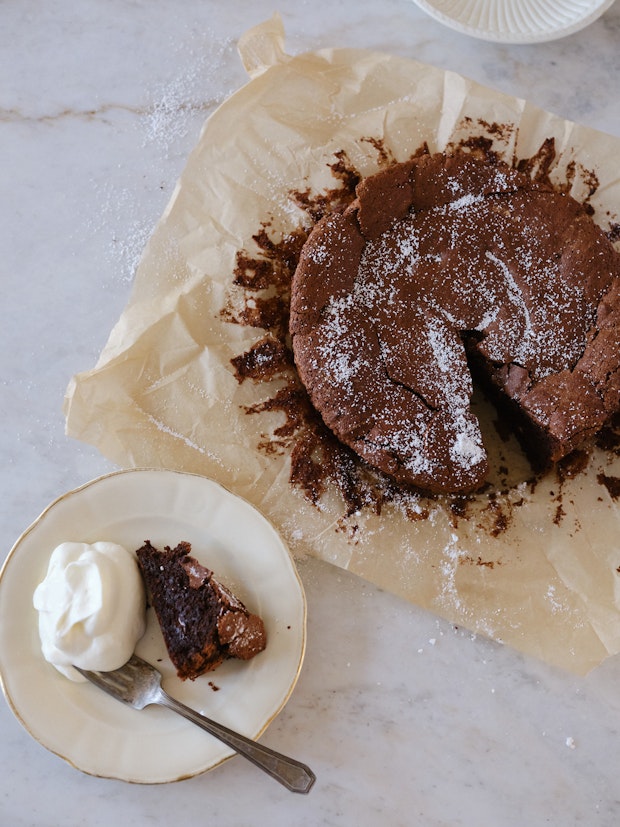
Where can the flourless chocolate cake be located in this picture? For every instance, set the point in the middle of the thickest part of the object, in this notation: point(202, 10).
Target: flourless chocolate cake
point(202, 622)
point(444, 269)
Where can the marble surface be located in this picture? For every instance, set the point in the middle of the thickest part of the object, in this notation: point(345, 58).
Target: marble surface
point(404, 719)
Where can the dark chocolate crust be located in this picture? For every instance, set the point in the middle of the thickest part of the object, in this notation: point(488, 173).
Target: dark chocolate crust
point(444, 266)
point(202, 622)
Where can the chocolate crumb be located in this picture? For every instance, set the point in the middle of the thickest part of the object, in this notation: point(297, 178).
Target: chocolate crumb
point(612, 484)
point(539, 164)
point(264, 360)
point(573, 464)
point(559, 514)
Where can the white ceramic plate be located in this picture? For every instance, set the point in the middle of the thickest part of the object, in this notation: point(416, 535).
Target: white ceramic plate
point(516, 21)
point(92, 731)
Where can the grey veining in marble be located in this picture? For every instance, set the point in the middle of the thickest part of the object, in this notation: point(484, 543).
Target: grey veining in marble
point(406, 720)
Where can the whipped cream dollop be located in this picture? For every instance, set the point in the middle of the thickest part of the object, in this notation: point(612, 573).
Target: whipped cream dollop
point(91, 606)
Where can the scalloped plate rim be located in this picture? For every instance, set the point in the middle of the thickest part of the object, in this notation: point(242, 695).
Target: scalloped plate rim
point(432, 7)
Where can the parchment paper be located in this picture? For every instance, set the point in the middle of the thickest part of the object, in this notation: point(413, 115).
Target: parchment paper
point(164, 394)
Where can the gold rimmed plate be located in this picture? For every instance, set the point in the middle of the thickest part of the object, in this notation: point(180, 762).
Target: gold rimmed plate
point(95, 733)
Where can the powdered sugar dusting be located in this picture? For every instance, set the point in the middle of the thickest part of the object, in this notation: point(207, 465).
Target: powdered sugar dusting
point(166, 429)
point(467, 449)
point(483, 269)
point(167, 120)
point(171, 114)
point(515, 294)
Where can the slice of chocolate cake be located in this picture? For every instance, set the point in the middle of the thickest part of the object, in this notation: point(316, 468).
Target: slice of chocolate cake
point(202, 622)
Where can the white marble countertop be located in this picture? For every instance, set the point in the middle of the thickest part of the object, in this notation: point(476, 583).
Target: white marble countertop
point(405, 719)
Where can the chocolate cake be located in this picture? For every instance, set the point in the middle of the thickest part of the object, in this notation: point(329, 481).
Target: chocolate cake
point(446, 269)
point(202, 622)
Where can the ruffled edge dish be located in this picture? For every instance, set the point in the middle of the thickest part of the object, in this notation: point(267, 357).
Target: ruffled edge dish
point(516, 21)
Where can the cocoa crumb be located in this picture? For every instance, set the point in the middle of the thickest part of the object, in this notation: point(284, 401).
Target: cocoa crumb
point(539, 164)
point(264, 360)
point(478, 561)
point(316, 205)
point(458, 506)
point(608, 439)
point(612, 484)
point(573, 464)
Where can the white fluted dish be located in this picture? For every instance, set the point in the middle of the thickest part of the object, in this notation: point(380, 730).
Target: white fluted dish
point(96, 733)
point(516, 21)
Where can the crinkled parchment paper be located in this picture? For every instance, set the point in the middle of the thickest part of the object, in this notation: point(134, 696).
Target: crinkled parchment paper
point(164, 393)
